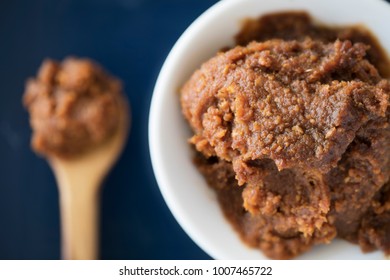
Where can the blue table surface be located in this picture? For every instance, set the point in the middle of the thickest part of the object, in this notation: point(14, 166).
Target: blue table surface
point(131, 39)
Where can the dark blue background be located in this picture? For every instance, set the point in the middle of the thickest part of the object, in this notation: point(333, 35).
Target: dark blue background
point(131, 39)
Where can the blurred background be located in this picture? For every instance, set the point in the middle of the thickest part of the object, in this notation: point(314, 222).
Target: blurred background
point(131, 39)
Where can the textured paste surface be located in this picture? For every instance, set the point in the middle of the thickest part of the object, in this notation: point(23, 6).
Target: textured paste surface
point(293, 134)
point(74, 106)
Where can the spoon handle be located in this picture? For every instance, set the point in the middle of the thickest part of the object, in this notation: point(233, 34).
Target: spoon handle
point(79, 180)
point(79, 208)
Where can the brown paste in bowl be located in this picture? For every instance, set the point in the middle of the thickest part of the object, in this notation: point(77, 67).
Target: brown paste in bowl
point(74, 105)
point(291, 129)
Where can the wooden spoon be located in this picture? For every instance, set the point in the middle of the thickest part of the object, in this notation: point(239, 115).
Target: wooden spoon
point(79, 180)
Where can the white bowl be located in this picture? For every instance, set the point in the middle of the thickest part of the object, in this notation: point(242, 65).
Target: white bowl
point(191, 201)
